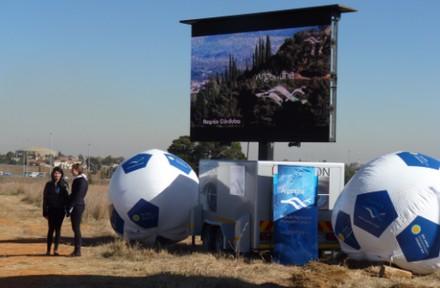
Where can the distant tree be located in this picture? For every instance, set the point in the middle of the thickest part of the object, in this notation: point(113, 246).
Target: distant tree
point(95, 164)
point(106, 172)
point(233, 71)
point(184, 148)
point(81, 158)
point(10, 158)
point(268, 48)
point(109, 160)
point(192, 152)
point(350, 170)
point(262, 52)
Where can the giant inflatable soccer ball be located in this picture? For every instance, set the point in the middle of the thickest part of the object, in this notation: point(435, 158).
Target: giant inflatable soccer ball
point(390, 211)
point(152, 194)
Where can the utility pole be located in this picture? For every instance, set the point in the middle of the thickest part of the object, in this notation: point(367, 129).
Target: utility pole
point(88, 158)
point(25, 157)
point(265, 150)
point(25, 161)
point(51, 149)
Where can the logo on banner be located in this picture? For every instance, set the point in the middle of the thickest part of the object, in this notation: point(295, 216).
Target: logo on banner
point(296, 203)
point(293, 189)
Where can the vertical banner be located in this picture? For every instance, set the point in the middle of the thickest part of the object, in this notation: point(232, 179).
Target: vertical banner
point(295, 214)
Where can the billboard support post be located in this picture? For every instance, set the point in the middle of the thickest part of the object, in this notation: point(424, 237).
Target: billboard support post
point(265, 150)
point(333, 73)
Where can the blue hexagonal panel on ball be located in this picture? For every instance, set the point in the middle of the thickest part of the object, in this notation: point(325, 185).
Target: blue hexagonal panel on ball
point(178, 163)
point(135, 163)
point(420, 240)
point(144, 214)
point(344, 231)
point(117, 222)
point(374, 212)
point(419, 160)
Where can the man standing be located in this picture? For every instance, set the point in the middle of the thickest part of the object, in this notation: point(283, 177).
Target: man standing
point(76, 204)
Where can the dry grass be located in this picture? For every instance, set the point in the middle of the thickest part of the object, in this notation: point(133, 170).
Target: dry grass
point(225, 270)
point(119, 249)
point(184, 260)
point(97, 203)
point(217, 270)
point(11, 188)
point(31, 190)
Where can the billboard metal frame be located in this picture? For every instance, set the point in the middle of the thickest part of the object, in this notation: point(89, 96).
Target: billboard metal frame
point(320, 15)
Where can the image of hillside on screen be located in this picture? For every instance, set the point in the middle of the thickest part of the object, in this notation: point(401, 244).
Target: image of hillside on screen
point(272, 84)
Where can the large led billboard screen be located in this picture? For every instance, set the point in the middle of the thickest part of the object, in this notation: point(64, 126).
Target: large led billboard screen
point(269, 80)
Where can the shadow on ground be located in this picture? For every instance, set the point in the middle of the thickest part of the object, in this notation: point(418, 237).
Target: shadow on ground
point(176, 249)
point(86, 241)
point(158, 280)
point(173, 248)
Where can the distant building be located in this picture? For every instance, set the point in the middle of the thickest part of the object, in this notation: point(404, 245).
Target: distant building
point(42, 151)
point(65, 162)
point(36, 155)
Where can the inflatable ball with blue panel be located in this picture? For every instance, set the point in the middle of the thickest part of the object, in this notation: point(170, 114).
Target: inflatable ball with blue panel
point(152, 194)
point(390, 211)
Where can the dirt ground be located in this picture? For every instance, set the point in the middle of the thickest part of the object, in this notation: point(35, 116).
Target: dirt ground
point(107, 262)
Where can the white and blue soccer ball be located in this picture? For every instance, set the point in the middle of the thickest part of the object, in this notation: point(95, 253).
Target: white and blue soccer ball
point(152, 194)
point(390, 211)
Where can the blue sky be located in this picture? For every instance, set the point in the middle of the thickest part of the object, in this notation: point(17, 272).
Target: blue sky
point(116, 75)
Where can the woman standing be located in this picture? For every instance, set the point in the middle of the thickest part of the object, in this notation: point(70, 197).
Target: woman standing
point(77, 204)
point(55, 199)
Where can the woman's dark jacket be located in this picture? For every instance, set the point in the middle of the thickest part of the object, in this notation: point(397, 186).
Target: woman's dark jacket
point(55, 196)
point(79, 191)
